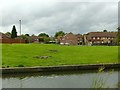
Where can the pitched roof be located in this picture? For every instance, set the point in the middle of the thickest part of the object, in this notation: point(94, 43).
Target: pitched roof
point(2, 35)
point(103, 34)
point(69, 35)
point(34, 37)
point(78, 35)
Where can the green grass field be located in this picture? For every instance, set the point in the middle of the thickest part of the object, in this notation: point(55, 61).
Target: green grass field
point(14, 55)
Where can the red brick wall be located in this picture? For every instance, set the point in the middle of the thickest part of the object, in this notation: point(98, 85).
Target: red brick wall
point(12, 41)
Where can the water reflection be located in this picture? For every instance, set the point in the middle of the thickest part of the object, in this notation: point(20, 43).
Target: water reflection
point(69, 79)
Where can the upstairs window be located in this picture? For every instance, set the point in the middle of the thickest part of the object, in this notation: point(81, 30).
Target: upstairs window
point(103, 38)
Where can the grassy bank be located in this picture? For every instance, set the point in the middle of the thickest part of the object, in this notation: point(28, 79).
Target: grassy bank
point(14, 55)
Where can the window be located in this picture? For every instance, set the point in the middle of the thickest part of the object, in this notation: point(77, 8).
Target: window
point(103, 38)
point(98, 41)
point(108, 41)
point(98, 38)
point(94, 38)
point(108, 37)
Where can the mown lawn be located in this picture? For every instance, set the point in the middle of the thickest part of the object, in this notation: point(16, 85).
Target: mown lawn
point(14, 55)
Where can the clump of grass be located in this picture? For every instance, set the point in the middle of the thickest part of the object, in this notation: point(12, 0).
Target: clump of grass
point(20, 65)
point(53, 51)
point(101, 69)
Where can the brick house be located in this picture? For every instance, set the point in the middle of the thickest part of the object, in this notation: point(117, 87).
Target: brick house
point(70, 39)
point(99, 38)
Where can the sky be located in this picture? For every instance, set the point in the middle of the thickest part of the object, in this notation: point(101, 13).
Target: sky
point(50, 16)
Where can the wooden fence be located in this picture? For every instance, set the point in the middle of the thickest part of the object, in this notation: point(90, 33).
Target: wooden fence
point(10, 41)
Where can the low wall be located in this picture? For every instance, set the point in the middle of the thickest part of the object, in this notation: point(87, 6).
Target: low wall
point(58, 68)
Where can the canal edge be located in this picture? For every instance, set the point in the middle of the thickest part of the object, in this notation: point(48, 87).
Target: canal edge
point(59, 68)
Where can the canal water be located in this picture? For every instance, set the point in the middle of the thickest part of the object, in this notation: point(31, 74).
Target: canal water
point(68, 79)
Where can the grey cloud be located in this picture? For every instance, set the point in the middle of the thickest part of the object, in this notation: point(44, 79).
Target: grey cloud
point(76, 17)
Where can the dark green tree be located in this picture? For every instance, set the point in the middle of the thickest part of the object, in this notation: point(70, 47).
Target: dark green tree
point(104, 30)
point(14, 32)
point(27, 35)
point(43, 35)
point(59, 33)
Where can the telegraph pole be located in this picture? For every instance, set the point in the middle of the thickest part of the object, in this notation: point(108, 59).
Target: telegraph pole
point(20, 27)
point(20, 30)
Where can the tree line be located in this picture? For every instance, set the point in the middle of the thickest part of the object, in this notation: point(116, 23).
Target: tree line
point(43, 37)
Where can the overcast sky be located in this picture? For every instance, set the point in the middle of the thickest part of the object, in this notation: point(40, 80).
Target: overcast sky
point(50, 16)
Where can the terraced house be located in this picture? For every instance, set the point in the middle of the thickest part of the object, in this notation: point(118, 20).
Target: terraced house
point(100, 38)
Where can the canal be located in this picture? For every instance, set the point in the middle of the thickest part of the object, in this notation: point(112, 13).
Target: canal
point(65, 79)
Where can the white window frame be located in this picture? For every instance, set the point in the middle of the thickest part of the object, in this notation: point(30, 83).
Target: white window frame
point(93, 38)
point(103, 38)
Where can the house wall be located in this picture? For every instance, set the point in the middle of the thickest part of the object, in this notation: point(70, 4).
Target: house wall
point(69, 39)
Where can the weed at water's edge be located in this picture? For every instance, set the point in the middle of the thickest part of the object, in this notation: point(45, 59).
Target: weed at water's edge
point(99, 82)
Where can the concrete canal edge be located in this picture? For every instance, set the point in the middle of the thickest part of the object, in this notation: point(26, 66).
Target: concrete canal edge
point(59, 68)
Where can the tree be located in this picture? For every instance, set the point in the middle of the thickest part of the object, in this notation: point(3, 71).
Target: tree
point(104, 30)
point(14, 32)
point(43, 35)
point(116, 40)
point(118, 36)
point(27, 35)
point(33, 35)
point(26, 38)
point(59, 33)
point(46, 40)
point(23, 36)
point(41, 39)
